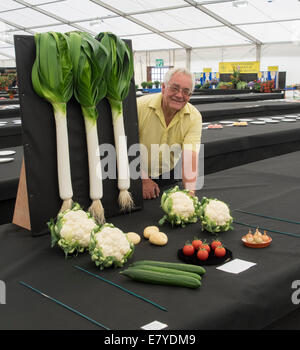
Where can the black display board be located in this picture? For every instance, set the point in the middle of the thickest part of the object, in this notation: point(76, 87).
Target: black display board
point(39, 141)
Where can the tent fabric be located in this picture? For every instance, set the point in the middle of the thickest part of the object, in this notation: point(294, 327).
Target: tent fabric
point(155, 25)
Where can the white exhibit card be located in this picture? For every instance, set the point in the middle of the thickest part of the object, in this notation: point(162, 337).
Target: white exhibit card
point(236, 266)
point(155, 325)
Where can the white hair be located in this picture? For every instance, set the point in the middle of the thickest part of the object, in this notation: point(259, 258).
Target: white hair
point(173, 71)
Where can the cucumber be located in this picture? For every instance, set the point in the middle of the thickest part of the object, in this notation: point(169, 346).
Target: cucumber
point(155, 277)
point(178, 266)
point(167, 270)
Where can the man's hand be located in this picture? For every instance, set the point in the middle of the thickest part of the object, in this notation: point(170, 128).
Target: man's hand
point(150, 189)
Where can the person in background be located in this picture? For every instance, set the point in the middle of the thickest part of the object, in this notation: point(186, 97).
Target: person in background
point(167, 119)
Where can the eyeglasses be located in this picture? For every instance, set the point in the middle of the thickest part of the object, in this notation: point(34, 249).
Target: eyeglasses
point(175, 89)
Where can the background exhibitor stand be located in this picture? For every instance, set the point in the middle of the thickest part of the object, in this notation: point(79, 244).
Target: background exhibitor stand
point(38, 197)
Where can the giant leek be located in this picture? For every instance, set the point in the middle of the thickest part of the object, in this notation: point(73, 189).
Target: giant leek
point(119, 75)
point(89, 60)
point(52, 80)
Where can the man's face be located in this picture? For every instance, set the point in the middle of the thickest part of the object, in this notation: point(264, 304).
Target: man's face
point(175, 95)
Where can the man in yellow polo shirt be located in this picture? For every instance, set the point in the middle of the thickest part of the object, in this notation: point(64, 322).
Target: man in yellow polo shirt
point(168, 122)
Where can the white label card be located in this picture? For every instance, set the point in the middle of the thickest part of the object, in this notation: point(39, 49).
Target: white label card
point(236, 266)
point(155, 325)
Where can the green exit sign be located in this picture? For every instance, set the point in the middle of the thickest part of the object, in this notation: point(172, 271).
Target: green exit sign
point(159, 62)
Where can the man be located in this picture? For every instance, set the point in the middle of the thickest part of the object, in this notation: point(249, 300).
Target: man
point(167, 120)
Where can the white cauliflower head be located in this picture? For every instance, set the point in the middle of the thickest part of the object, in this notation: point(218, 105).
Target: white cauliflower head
point(113, 242)
point(110, 246)
point(215, 215)
point(183, 205)
point(72, 230)
point(180, 207)
point(218, 211)
point(77, 227)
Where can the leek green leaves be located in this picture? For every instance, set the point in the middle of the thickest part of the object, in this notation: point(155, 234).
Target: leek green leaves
point(120, 66)
point(89, 61)
point(52, 75)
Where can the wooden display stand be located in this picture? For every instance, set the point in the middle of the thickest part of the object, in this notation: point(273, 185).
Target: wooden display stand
point(21, 213)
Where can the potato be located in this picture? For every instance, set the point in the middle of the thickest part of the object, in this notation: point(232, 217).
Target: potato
point(133, 237)
point(150, 229)
point(158, 238)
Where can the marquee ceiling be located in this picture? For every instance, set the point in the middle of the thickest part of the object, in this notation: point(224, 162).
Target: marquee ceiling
point(156, 24)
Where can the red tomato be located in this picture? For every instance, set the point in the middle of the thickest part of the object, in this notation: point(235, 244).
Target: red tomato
point(202, 254)
point(220, 251)
point(188, 250)
point(196, 243)
point(206, 247)
point(215, 244)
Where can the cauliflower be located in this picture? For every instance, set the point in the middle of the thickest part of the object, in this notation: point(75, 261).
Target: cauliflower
point(180, 207)
point(215, 215)
point(110, 246)
point(72, 230)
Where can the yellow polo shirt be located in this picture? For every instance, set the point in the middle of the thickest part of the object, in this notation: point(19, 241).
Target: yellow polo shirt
point(161, 145)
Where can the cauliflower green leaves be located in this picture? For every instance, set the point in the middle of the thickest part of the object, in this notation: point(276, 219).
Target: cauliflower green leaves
point(72, 230)
point(215, 215)
point(180, 207)
point(110, 246)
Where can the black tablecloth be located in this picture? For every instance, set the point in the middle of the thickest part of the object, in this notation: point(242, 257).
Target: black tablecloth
point(10, 133)
point(250, 300)
point(228, 110)
point(200, 99)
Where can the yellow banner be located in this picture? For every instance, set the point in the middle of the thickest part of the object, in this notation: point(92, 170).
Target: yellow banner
point(273, 68)
point(206, 70)
point(244, 67)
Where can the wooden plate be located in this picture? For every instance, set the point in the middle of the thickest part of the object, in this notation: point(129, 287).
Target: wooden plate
point(256, 245)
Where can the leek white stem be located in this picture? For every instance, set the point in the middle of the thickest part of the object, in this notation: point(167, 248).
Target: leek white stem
point(63, 160)
point(95, 173)
point(125, 199)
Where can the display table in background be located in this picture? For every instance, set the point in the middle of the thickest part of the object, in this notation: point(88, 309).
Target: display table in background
point(216, 111)
point(9, 101)
point(237, 145)
point(10, 132)
point(231, 92)
point(253, 299)
point(199, 99)
point(9, 111)
point(223, 149)
point(9, 179)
